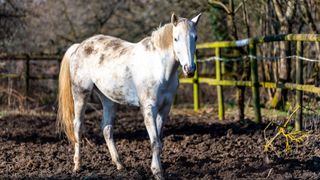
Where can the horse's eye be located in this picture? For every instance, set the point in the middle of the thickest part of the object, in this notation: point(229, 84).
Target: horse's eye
point(176, 39)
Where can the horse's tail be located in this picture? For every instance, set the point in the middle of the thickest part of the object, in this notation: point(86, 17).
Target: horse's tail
point(65, 114)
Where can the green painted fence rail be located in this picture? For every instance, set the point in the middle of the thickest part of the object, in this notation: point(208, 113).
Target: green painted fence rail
point(273, 85)
point(255, 84)
point(259, 40)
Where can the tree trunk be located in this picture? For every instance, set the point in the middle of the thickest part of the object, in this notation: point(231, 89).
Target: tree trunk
point(308, 19)
point(284, 67)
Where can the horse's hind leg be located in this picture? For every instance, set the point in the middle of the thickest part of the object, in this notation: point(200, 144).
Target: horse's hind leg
point(107, 124)
point(80, 97)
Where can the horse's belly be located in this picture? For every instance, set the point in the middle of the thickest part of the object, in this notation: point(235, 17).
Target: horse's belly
point(120, 94)
point(119, 88)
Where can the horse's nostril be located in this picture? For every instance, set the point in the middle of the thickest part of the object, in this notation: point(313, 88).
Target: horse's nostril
point(190, 74)
point(185, 68)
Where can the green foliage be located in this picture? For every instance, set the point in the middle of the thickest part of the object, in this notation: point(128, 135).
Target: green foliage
point(218, 26)
point(3, 113)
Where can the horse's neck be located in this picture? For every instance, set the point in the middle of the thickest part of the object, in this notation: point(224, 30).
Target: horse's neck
point(162, 40)
point(170, 64)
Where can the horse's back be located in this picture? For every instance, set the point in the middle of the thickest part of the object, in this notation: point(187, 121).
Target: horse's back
point(103, 47)
point(100, 50)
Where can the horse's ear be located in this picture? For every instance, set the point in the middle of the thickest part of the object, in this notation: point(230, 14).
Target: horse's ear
point(174, 19)
point(195, 20)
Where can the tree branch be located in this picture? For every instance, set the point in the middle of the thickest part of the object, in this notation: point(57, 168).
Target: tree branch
point(239, 6)
point(246, 18)
point(278, 11)
point(290, 9)
point(307, 16)
point(63, 36)
point(65, 11)
point(105, 19)
point(220, 4)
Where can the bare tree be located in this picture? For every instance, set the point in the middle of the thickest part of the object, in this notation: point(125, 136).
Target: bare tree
point(12, 15)
point(242, 68)
point(310, 22)
point(284, 14)
point(51, 26)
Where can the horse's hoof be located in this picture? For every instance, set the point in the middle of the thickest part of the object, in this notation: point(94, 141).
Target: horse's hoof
point(119, 166)
point(76, 169)
point(158, 176)
point(157, 173)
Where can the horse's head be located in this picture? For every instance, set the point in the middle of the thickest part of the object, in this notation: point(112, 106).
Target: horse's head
point(184, 42)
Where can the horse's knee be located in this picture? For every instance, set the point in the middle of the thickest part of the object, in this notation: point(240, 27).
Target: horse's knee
point(76, 128)
point(76, 123)
point(108, 132)
point(147, 122)
point(76, 158)
point(149, 111)
point(156, 146)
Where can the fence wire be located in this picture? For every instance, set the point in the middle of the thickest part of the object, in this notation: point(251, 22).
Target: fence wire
point(259, 58)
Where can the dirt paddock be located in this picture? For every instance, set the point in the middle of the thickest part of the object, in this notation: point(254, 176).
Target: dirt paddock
point(196, 146)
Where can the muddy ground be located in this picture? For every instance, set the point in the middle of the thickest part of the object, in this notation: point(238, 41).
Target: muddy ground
point(196, 146)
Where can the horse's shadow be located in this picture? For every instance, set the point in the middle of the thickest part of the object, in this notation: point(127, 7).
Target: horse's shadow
point(35, 138)
point(182, 128)
point(214, 129)
point(137, 132)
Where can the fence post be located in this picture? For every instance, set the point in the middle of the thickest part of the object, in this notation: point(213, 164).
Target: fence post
point(299, 80)
point(196, 86)
point(255, 82)
point(219, 87)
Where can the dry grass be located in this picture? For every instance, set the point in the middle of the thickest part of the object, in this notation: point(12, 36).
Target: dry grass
point(291, 136)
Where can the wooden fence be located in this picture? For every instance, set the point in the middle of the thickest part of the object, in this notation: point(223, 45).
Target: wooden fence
point(255, 84)
point(25, 76)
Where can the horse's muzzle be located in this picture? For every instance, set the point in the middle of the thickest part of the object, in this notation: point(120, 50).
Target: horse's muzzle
point(189, 70)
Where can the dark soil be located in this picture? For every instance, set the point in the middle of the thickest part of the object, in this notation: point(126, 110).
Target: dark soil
point(196, 146)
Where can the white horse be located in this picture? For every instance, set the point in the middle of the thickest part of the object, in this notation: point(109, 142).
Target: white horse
point(140, 74)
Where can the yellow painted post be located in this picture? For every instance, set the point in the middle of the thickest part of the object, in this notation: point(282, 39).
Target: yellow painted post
point(299, 93)
point(219, 87)
point(255, 82)
point(196, 87)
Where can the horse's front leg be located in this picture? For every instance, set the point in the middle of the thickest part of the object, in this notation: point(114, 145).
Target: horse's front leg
point(162, 118)
point(150, 113)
